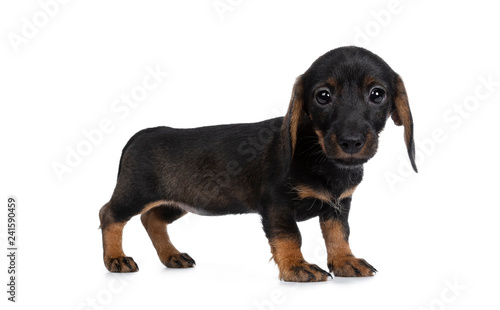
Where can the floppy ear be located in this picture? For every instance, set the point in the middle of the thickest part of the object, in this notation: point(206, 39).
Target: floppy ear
point(292, 120)
point(401, 115)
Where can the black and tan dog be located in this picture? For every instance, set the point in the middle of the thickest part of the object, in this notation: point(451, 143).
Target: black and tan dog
point(289, 169)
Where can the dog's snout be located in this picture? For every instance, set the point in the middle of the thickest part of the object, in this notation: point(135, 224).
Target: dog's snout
point(351, 143)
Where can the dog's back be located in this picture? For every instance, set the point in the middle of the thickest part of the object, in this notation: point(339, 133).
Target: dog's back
point(195, 167)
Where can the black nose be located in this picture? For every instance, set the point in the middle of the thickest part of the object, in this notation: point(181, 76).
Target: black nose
point(351, 142)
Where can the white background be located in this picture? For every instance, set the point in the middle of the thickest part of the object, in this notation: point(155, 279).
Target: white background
point(433, 236)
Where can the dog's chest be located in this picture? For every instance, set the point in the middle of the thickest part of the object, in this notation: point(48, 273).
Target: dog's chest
point(316, 195)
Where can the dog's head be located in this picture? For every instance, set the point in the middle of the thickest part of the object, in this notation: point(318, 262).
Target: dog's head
point(347, 95)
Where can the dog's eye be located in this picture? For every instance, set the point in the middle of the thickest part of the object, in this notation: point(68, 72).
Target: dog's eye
point(377, 95)
point(323, 97)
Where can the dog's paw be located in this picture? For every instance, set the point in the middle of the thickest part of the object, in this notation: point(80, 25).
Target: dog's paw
point(304, 272)
point(121, 264)
point(180, 260)
point(351, 266)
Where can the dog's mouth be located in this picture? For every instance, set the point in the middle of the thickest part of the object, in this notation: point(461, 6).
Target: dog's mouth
point(349, 150)
point(351, 162)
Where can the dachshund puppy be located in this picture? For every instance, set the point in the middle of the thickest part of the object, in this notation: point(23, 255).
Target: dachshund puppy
point(288, 169)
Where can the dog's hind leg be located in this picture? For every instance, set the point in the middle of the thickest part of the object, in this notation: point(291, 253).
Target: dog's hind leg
point(155, 221)
point(112, 229)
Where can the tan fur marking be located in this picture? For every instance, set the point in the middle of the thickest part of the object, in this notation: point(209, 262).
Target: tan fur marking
point(291, 263)
point(286, 253)
point(370, 80)
point(152, 205)
point(340, 258)
point(296, 113)
point(304, 191)
point(321, 139)
point(157, 231)
point(336, 245)
point(404, 110)
point(332, 82)
point(369, 148)
point(402, 115)
point(112, 240)
point(347, 193)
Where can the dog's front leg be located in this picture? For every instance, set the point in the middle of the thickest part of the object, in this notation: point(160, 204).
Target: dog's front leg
point(341, 261)
point(285, 241)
